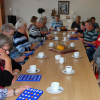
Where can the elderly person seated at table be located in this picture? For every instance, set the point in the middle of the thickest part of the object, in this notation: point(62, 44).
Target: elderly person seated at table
point(19, 39)
point(4, 93)
point(96, 25)
point(44, 28)
point(33, 21)
point(8, 30)
point(76, 24)
point(9, 69)
point(56, 23)
point(35, 33)
point(90, 34)
point(80, 32)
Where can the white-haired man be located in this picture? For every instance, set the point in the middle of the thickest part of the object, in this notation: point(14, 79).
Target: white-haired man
point(19, 39)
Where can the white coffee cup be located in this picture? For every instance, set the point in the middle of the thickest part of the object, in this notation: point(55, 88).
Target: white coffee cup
point(76, 28)
point(64, 38)
point(56, 38)
point(62, 60)
point(41, 54)
point(55, 86)
point(72, 44)
point(73, 32)
point(33, 68)
point(58, 28)
point(57, 57)
point(76, 54)
point(68, 36)
point(51, 44)
point(68, 69)
point(64, 34)
point(55, 32)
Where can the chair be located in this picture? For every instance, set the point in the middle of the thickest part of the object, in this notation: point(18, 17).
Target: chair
point(94, 65)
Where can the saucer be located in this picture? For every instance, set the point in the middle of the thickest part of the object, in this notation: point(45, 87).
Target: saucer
point(64, 71)
point(49, 90)
point(50, 46)
point(76, 57)
point(56, 40)
point(41, 57)
point(28, 71)
point(73, 46)
point(64, 40)
point(55, 33)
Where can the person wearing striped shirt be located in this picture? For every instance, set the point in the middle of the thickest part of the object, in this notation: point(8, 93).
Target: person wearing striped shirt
point(91, 34)
point(19, 39)
point(35, 35)
point(56, 22)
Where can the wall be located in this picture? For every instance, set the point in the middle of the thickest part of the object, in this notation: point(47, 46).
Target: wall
point(26, 8)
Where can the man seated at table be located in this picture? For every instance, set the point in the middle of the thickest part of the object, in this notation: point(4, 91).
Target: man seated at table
point(90, 36)
point(9, 69)
point(96, 25)
point(8, 30)
point(35, 35)
point(56, 23)
point(80, 32)
point(76, 24)
point(19, 39)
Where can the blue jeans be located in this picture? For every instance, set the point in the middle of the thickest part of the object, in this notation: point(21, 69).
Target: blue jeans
point(90, 53)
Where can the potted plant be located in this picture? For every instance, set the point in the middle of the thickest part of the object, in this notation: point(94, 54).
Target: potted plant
point(40, 11)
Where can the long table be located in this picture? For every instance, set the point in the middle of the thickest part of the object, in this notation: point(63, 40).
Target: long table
point(80, 86)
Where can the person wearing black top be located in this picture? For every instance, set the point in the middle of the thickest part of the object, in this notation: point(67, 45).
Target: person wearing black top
point(76, 24)
point(9, 69)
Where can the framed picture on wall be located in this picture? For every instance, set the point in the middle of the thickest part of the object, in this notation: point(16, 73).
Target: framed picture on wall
point(63, 7)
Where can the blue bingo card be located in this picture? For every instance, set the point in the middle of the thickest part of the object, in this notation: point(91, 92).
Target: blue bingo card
point(29, 78)
point(30, 94)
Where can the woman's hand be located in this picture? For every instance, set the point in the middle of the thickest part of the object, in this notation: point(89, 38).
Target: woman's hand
point(4, 56)
point(21, 89)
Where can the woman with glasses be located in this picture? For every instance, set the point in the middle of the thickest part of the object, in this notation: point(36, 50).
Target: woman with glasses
point(9, 69)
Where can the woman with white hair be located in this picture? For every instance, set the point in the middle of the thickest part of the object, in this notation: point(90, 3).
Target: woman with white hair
point(19, 39)
point(35, 35)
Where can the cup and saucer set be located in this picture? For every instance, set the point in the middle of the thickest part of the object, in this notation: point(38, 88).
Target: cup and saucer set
point(76, 55)
point(33, 69)
point(55, 88)
point(41, 55)
point(72, 45)
point(68, 70)
point(56, 38)
point(51, 45)
point(64, 39)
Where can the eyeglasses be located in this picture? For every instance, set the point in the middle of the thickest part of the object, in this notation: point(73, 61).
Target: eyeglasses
point(6, 50)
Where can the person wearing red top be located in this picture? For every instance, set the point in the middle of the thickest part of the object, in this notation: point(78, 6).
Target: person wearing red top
point(97, 43)
point(9, 69)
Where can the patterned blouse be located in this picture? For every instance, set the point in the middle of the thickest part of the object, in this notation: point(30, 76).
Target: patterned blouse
point(3, 93)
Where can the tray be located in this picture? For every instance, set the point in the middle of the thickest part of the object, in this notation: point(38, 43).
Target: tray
point(67, 49)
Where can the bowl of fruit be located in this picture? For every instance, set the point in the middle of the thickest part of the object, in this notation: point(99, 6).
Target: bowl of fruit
point(62, 48)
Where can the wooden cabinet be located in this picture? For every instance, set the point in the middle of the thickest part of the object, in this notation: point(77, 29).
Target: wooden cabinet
point(2, 13)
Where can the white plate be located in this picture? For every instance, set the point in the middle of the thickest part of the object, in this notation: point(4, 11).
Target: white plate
point(76, 57)
point(28, 71)
point(41, 57)
point(49, 90)
point(64, 71)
